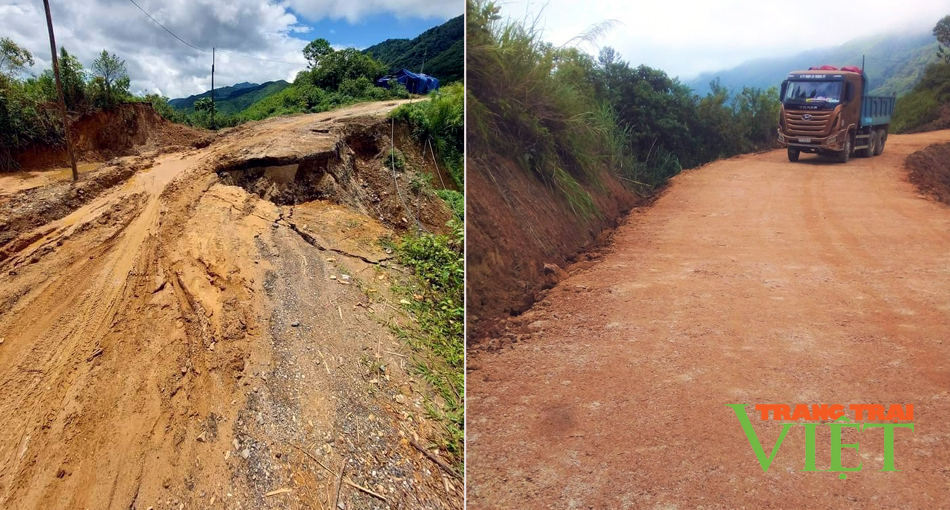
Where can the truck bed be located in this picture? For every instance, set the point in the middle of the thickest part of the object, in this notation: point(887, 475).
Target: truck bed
point(877, 110)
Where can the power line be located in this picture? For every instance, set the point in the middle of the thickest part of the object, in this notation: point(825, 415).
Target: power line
point(209, 51)
point(166, 29)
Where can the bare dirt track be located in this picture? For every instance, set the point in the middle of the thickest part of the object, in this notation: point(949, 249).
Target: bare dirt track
point(210, 329)
point(751, 280)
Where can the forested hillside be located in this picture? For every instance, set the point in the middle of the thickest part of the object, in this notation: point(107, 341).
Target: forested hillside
point(894, 63)
point(442, 48)
point(233, 99)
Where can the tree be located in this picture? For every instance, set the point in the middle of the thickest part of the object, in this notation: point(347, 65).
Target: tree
point(203, 105)
point(73, 78)
point(349, 63)
point(112, 72)
point(13, 57)
point(942, 33)
point(316, 51)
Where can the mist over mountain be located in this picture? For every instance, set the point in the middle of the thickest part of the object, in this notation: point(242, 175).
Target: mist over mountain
point(894, 63)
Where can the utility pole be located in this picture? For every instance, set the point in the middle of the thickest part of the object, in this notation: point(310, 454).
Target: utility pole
point(212, 87)
point(59, 91)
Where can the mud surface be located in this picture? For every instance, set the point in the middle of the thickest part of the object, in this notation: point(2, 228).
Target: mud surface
point(751, 280)
point(178, 341)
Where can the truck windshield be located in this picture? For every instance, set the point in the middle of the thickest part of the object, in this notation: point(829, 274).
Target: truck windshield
point(813, 91)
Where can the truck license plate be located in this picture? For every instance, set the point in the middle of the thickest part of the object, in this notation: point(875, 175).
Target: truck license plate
point(804, 140)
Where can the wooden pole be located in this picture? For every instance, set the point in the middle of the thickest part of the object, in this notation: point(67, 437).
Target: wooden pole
point(212, 87)
point(59, 91)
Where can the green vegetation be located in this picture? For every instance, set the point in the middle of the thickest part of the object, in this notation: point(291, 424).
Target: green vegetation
point(440, 123)
point(28, 108)
point(923, 104)
point(567, 117)
point(395, 160)
point(438, 263)
point(931, 95)
point(334, 79)
point(439, 52)
point(438, 304)
point(234, 99)
point(110, 86)
point(942, 33)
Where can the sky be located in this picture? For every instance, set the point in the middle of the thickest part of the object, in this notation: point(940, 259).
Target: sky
point(158, 63)
point(688, 37)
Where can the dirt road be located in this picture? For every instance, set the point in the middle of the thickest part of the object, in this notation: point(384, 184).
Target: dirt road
point(180, 342)
point(749, 281)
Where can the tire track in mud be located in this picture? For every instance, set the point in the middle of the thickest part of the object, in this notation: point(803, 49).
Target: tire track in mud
point(139, 355)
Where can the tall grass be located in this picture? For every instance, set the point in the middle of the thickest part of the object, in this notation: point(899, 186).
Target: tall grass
point(440, 123)
point(568, 117)
point(533, 102)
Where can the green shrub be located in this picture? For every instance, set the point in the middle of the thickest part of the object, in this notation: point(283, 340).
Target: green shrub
point(394, 160)
point(455, 201)
point(922, 104)
point(440, 123)
point(914, 109)
point(438, 263)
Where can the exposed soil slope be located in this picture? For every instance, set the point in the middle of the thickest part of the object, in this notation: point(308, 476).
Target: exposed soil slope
point(750, 280)
point(930, 171)
point(181, 342)
point(515, 224)
point(128, 129)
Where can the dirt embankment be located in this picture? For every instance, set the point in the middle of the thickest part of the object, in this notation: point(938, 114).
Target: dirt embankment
point(929, 169)
point(213, 331)
point(521, 234)
point(127, 129)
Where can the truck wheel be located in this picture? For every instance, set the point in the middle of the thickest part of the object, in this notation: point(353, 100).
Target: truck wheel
point(793, 154)
point(845, 155)
point(875, 143)
point(869, 150)
point(881, 137)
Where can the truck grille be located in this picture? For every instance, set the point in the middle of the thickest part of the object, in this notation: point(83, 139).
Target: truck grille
point(816, 125)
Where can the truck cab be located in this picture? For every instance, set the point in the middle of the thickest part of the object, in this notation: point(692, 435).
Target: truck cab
point(827, 111)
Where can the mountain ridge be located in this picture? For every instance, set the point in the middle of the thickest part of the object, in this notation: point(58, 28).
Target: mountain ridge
point(895, 62)
point(234, 98)
point(438, 51)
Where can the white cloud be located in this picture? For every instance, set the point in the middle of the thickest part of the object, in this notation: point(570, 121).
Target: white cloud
point(353, 10)
point(159, 63)
point(686, 37)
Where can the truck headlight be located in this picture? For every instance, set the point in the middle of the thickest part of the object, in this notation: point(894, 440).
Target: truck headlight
point(832, 138)
point(781, 137)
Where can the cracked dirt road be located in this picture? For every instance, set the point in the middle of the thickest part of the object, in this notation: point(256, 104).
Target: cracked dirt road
point(179, 342)
point(751, 280)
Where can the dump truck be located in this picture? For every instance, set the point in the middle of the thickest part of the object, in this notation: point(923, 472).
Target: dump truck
point(827, 110)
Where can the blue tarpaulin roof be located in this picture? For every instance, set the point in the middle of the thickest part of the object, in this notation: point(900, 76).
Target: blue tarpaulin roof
point(415, 83)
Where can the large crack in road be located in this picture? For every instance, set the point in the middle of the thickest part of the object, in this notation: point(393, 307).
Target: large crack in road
point(172, 343)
